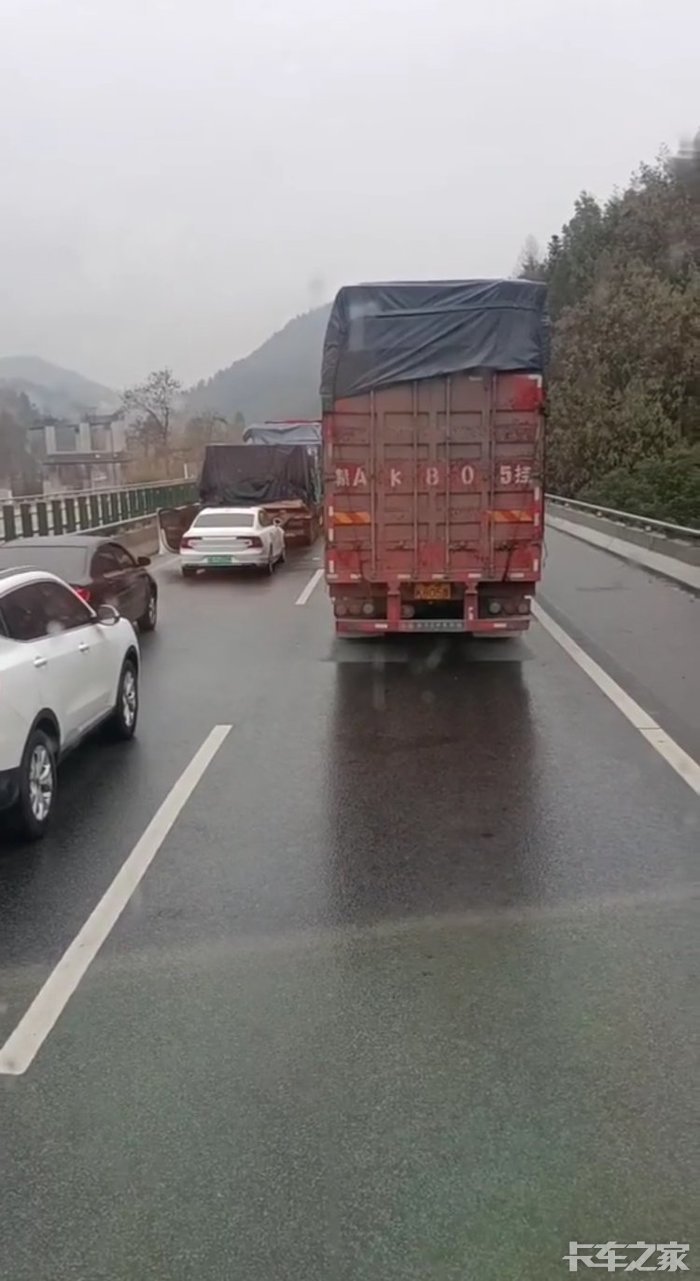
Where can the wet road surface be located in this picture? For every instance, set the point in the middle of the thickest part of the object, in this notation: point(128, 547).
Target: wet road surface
point(408, 990)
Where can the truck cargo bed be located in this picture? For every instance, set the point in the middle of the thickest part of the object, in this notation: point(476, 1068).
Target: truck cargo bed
point(433, 498)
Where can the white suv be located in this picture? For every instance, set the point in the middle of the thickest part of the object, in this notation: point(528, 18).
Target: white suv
point(64, 669)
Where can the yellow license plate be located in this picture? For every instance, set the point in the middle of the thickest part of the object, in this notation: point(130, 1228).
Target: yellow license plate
point(433, 591)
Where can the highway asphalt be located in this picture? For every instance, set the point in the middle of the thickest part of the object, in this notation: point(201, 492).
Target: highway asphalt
point(409, 988)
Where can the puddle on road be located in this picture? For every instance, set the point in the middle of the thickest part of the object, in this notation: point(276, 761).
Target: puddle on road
point(426, 653)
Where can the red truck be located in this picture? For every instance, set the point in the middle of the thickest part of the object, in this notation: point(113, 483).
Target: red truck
point(433, 444)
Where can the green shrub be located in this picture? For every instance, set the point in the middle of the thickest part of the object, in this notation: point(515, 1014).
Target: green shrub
point(666, 488)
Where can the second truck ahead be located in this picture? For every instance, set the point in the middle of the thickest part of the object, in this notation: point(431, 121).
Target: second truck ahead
point(433, 444)
point(284, 479)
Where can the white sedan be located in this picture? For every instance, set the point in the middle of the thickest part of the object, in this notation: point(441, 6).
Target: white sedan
point(64, 669)
point(223, 537)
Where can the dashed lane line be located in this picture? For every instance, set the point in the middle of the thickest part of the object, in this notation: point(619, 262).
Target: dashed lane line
point(33, 1028)
point(312, 583)
point(673, 754)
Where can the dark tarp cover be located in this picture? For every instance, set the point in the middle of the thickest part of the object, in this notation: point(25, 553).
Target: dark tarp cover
point(388, 333)
point(245, 475)
point(288, 433)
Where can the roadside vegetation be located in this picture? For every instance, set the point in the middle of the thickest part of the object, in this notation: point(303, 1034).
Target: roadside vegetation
point(624, 404)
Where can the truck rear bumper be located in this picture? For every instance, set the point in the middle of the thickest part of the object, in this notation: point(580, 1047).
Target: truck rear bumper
point(479, 626)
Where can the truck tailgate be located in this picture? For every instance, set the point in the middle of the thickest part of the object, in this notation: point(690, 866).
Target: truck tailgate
point(439, 478)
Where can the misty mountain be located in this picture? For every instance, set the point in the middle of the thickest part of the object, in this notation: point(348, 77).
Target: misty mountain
point(280, 379)
point(54, 390)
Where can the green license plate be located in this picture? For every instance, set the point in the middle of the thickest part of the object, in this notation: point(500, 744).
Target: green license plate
point(219, 560)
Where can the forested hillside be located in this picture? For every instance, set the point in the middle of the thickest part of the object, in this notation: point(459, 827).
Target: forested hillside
point(53, 389)
point(624, 278)
point(278, 380)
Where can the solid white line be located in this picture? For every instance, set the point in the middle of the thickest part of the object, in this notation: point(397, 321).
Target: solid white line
point(33, 1028)
point(673, 754)
point(313, 582)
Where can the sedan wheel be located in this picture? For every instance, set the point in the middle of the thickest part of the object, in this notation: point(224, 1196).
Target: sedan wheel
point(147, 621)
point(37, 786)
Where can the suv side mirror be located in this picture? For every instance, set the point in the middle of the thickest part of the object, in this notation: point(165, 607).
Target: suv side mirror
point(107, 615)
point(277, 521)
point(143, 561)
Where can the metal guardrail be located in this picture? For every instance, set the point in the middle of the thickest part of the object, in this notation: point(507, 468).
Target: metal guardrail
point(662, 527)
point(87, 511)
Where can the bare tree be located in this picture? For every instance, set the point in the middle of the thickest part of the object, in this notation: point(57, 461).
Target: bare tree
point(207, 428)
point(153, 405)
point(530, 265)
point(18, 468)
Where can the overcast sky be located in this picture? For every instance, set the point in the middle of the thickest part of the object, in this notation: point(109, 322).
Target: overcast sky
point(179, 177)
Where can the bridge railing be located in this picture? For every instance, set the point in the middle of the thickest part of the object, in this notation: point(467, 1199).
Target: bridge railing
point(87, 511)
point(684, 533)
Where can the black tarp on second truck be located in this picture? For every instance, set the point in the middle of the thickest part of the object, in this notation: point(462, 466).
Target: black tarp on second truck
point(250, 475)
point(285, 479)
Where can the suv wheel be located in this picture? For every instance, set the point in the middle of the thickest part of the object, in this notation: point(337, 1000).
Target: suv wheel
point(126, 709)
point(37, 786)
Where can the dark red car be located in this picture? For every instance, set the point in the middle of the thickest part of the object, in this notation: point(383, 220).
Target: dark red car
point(101, 570)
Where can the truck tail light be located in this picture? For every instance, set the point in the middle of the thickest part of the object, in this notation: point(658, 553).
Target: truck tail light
point(368, 608)
point(408, 611)
point(84, 593)
point(495, 607)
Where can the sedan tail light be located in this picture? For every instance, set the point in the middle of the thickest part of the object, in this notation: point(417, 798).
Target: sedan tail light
point(84, 593)
point(255, 542)
point(186, 542)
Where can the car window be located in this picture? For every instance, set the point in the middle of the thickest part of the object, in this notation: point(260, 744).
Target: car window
point(264, 519)
point(122, 557)
point(62, 608)
point(104, 562)
point(23, 613)
point(224, 520)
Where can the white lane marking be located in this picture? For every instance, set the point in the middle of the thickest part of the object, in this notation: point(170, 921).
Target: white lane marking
point(33, 1028)
point(313, 582)
point(673, 754)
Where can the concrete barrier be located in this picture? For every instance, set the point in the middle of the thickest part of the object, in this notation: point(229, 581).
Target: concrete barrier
point(140, 541)
point(671, 558)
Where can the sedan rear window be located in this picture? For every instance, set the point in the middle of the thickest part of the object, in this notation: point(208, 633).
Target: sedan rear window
point(225, 520)
point(63, 560)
